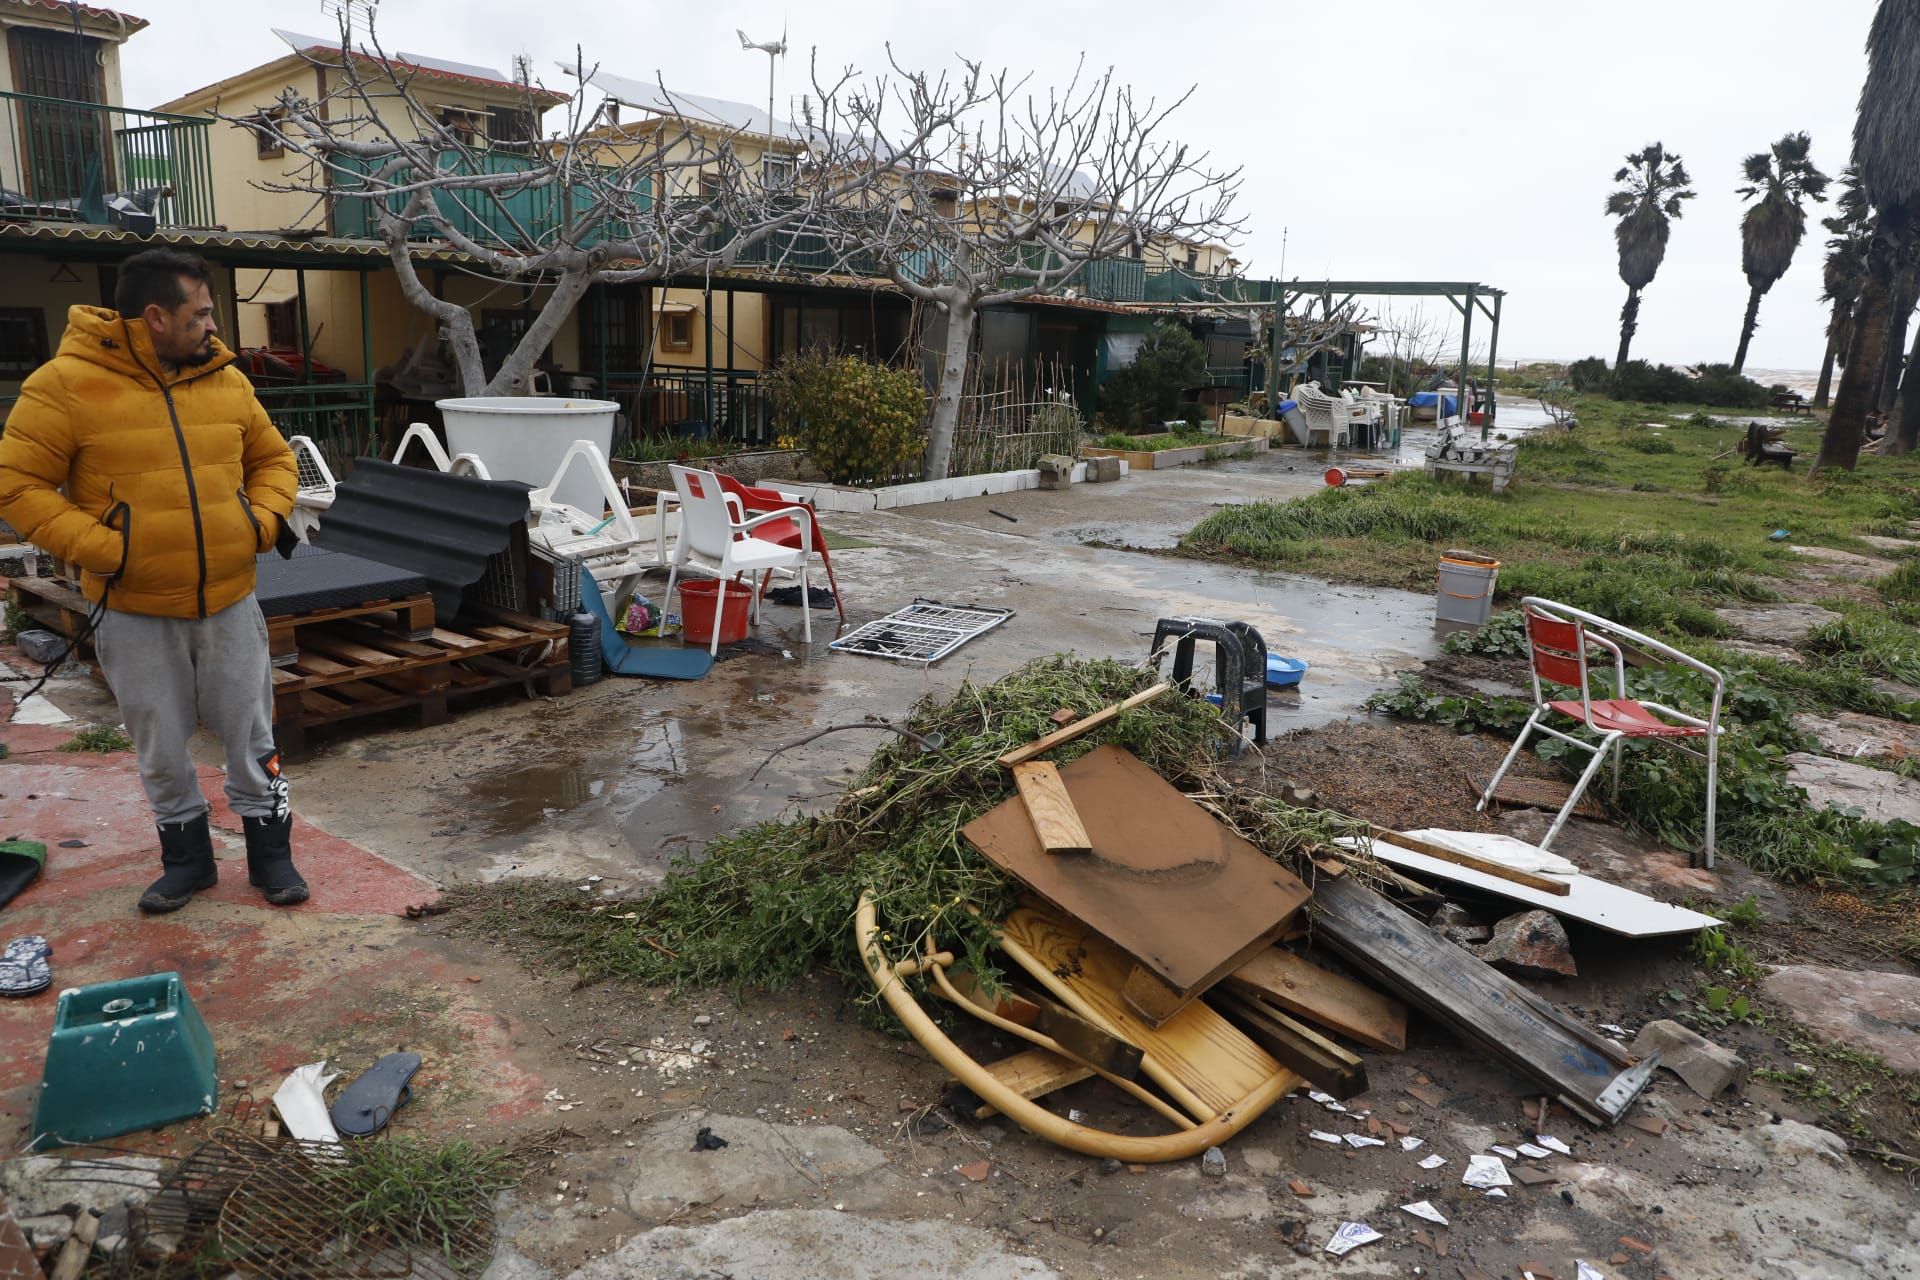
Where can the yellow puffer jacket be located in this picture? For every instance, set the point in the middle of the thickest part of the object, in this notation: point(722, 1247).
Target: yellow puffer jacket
point(172, 483)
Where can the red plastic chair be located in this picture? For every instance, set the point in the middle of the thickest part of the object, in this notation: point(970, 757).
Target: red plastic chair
point(755, 501)
point(1558, 637)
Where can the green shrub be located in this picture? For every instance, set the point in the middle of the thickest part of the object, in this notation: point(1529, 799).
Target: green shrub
point(1591, 374)
point(1650, 383)
point(1151, 390)
point(860, 422)
point(1645, 440)
point(1719, 385)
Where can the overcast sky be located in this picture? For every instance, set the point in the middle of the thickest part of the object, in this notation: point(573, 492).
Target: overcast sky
point(1400, 139)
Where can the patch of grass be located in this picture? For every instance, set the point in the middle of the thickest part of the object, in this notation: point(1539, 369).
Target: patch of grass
point(429, 1195)
point(763, 906)
point(1853, 1091)
point(1902, 586)
point(17, 620)
point(1156, 443)
point(1881, 644)
point(103, 738)
point(844, 541)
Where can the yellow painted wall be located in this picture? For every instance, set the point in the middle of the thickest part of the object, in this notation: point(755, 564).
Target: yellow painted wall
point(27, 282)
point(749, 331)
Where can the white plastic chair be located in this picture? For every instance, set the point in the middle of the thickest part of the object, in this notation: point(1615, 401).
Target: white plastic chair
point(717, 541)
point(611, 546)
point(460, 464)
point(1325, 414)
point(316, 485)
point(1559, 638)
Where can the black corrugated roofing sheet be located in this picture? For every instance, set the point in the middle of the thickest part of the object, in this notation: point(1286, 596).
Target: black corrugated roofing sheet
point(442, 527)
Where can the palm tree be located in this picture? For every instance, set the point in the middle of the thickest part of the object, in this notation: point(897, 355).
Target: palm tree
point(1656, 184)
point(1845, 271)
point(1772, 229)
point(1889, 166)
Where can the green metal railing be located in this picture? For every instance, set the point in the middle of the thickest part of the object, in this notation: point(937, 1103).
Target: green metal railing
point(517, 216)
point(338, 416)
point(666, 402)
point(61, 159)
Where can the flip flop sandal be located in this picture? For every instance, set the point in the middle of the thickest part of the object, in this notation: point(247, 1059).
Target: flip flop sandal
point(20, 865)
point(24, 970)
point(365, 1106)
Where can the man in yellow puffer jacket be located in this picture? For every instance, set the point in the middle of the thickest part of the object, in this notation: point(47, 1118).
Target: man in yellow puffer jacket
point(140, 454)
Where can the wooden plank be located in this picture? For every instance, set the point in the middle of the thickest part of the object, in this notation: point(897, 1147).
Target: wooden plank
point(1175, 889)
point(1557, 886)
point(1150, 997)
point(453, 639)
point(357, 654)
point(1477, 1002)
point(1082, 1040)
point(1338, 1003)
point(312, 664)
point(1324, 1063)
point(1031, 1073)
point(1085, 725)
point(1051, 809)
point(1204, 1063)
point(1537, 793)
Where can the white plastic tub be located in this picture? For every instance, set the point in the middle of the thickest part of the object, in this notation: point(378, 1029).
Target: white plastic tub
point(524, 437)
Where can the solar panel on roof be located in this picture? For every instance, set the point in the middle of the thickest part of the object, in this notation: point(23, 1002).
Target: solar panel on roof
point(298, 42)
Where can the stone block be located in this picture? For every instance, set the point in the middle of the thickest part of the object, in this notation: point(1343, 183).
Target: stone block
point(1862, 1009)
point(1532, 944)
point(1704, 1066)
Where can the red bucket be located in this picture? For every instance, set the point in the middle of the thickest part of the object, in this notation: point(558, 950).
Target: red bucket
point(696, 611)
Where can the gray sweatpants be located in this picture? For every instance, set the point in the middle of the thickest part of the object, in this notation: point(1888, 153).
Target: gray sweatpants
point(170, 674)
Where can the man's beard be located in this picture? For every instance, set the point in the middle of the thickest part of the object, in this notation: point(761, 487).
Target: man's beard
point(198, 356)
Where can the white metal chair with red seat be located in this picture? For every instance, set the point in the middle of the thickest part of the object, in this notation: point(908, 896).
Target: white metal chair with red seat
point(1558, 639)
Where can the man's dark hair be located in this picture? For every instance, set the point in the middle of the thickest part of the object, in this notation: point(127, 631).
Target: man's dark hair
point(155, 276)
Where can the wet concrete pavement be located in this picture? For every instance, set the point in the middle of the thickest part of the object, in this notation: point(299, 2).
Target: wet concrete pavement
point(619, 778)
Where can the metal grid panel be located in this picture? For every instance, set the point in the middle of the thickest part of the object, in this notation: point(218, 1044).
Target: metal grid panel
point(923, 632)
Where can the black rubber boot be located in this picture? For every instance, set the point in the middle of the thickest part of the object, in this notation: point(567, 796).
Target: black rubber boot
point(186, 851)
point(270, 860)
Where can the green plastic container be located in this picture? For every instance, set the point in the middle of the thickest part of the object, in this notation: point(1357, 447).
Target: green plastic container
point(124, 1056)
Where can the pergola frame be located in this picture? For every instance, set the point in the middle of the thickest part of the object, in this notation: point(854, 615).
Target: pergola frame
point(1466, 297)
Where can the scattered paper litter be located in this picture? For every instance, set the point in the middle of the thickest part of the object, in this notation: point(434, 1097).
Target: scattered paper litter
point(1553, 1144)
point(1486, 1171)
point(1496, 1193)
point(301, 1101)
point(1362, 1140)
point(1433, 1162)
point(1425, 1209)
point(1351, 1236)
point(1586, 1270)
point(1507, 1152)
point(1411, 1143)
point(1532, 1152)
point(1613, 1029)
point(1319, 1135)
point(1322, 1098)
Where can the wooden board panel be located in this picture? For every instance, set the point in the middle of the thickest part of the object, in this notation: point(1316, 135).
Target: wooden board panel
point(1476, 1001)
point(1204, 1062)
point(1050, 808)
point(1031, 1073)
point(1335, 1002)
point(1176, 890)
point(1543, 883)
point(1305, 1050)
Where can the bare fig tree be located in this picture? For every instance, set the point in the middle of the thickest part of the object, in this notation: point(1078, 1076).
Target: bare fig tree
point(590, 204)
point(992, 192)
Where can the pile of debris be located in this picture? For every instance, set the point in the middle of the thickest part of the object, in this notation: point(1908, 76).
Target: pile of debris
point(1144, 948)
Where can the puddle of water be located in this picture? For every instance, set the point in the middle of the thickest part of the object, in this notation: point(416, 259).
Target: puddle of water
point(519, 797)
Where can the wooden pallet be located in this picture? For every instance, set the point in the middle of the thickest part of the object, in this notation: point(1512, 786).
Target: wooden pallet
point(55, 604)
point(409, 618)
point(347, 669)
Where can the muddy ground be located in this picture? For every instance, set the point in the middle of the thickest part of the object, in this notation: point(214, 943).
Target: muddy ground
point(840, 1159)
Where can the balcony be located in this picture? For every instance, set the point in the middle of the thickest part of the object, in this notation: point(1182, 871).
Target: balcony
point(529, 217)
point(69, 161)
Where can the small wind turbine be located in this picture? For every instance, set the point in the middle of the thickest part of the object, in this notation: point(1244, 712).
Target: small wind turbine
point(773, 49)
